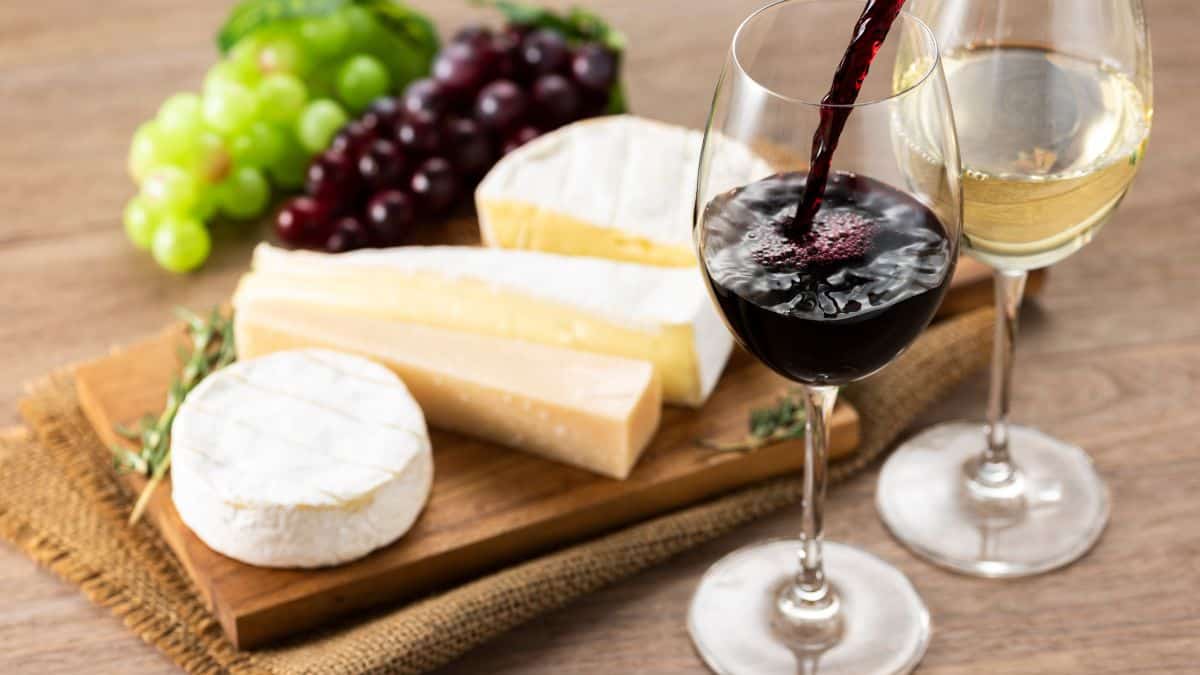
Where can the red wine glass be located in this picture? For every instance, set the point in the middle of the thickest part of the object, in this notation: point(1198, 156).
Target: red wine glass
point(824, 300)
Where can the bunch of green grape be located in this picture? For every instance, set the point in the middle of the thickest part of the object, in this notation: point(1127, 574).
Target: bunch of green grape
point(275, 100)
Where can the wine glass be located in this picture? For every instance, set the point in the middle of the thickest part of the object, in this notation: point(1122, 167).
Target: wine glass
point(823, 306)
point(1053, 106)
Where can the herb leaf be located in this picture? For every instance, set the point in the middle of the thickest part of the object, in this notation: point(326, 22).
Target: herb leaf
point(783, 421)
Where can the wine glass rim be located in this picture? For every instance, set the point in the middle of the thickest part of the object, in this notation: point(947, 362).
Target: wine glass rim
point(934, 64)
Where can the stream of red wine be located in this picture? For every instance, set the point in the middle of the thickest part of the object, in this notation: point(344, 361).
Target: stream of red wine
point(869, 33)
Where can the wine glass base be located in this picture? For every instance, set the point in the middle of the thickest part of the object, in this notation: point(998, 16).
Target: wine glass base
point(1058, 515)
point(885, 625)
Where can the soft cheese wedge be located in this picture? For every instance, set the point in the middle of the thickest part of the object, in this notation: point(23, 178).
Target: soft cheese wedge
point(300, 459)
point(657, 314)
point(592, 411)
point(619, 187)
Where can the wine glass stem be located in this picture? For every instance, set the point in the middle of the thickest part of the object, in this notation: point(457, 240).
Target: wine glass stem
point(996, 467)
point(811, 585)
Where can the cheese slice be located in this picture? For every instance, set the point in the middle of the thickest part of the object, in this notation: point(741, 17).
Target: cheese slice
point(300, 459)
point(657, 314)
point(619, 187)
point(592, 411)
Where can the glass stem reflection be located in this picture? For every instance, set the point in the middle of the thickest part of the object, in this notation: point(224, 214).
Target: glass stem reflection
point(810, 589)
point(996, 469)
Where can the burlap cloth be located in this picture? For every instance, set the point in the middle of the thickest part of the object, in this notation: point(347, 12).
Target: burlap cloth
point(61, 503)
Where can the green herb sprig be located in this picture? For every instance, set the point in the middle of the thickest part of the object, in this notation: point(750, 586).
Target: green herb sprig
point(211, 347)
point(782, 421)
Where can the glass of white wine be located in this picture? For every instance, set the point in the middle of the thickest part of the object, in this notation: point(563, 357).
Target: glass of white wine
point(1052, 100)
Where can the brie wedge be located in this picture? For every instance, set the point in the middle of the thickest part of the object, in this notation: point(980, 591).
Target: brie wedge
point(592, 411)
point(619, 187)
point(656, 314)
point(300, 459)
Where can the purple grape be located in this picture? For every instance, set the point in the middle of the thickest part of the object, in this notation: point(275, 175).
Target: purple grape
point(381, 164)
point(434, 185)
point(419, 134)
point(386, 113)
point(501, 105)
point(390, 217)
point(472, 33)
point(469, 147)
point(545, 51)
point(302, 221)
point(424, 95)
point(331, 177)
point(556, 100)
point(462, 68)
point(350, 138)
point(348, 234)
point(507, 49)
point(595, 67)
point(520, 137)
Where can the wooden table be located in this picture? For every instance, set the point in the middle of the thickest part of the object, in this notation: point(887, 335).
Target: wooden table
point(1109, 357)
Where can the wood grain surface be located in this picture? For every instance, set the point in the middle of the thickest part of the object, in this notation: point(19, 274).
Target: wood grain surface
point(1109, 356)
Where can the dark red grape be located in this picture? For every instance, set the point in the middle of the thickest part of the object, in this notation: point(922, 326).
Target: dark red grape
point(468, 145)
point(301, 221)
point(501, 105)
point(424, 95)
point(350, 137)
point(520, 137)
point(545, 51)
point(383, 116)
point(507, 49)
point(595, 67)
point(462, 68)
point(556, 100)
point(418, 133)
point(331, 177)
point(434, 185)
point(381, 164)
point(516, 31)
point(472, 33)
point(390, 217)
point(348, 234)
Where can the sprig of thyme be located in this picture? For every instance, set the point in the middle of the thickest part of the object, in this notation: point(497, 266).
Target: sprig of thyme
point(211, 348)
point(782, 421)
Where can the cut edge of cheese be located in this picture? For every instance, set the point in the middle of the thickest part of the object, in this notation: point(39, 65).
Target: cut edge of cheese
point(591, 411)
point(656, 314)
point(620, 187)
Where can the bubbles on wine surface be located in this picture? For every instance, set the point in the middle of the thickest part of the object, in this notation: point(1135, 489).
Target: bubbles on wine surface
point(871, 247)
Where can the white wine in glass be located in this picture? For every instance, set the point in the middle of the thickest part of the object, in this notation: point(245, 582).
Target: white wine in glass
point(1052, 101)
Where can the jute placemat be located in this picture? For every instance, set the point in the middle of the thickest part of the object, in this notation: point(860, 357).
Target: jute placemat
point(61, 503)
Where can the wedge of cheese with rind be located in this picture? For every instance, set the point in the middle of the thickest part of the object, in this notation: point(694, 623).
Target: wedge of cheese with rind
point(619, 187)
point(300, 459)
point(591, 411)
point(657, 314)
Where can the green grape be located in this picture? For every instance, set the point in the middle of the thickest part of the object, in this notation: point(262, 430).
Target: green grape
point(360, 80)
point(318, 123)
point(281, 97)
point(288, 170)
point(321, 81)
point(282, 54)
point(169, 189)
point(180, 244)
point(139, 223)
point(180, 118)
point(258, 146)
point(326, 36)
point(364, 28)
point(146, 151)
point(206, 203)
point(205, 157)
point(229, 108)
point(245, 194)
point(243, 59)
point(228, 73)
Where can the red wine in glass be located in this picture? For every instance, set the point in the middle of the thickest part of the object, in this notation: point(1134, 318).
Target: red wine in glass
point(839, 302)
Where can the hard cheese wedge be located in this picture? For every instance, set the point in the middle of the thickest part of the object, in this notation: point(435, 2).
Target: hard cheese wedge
point(589, 410)
point(619, 187)
point(656, 314)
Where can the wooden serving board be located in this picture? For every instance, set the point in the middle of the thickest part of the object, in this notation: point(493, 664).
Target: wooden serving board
point(475, 521)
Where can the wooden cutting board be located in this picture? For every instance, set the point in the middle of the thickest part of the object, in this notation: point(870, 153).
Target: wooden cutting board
point(475, 521)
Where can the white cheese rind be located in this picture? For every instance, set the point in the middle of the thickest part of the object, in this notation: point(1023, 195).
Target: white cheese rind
point(621, 172)
point(300, 459)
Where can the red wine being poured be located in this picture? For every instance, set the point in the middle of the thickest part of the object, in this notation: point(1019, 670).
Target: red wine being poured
point(869, 33)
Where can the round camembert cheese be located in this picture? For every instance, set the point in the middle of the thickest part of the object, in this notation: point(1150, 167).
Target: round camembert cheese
point(301, 458)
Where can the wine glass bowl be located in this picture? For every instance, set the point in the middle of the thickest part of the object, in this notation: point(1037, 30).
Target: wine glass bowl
point(1053, 106)
point(823, 301)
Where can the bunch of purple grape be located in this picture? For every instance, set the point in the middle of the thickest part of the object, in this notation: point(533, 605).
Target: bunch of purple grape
point(410, 159)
